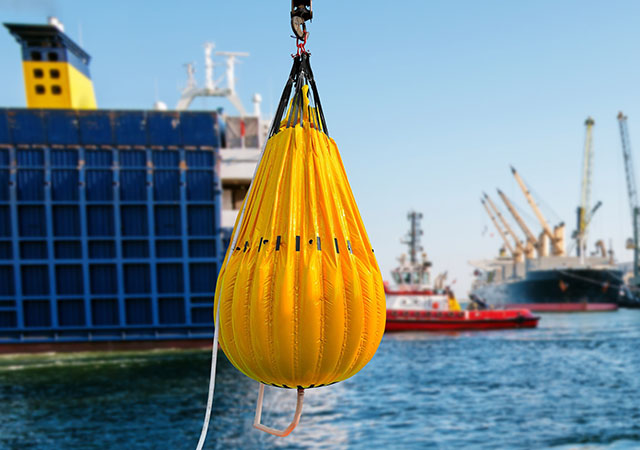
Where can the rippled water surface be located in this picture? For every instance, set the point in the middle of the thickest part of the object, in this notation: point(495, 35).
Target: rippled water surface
point(572, 383)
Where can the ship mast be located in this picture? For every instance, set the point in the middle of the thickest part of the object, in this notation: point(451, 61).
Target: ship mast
point(413, 237)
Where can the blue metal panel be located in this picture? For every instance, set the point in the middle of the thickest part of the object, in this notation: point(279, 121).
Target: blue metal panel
point(102, 250)
point(135, 249)
point(137, 279)
point(202, 248)
point(133, 185)
point(69, 280)
point(5, 221)
point(5, 136)
point(4, 157)
point(200, 159)
point(6, 250)
point(105, 312)
point(99, 158)
point(99, 185)
point(164, 128)
point(103, 279)
point(100, 220)
point(66, 220)
point(8, 319)
point(167, 220)
point(166, 159)
point(31, 221)
point(67, 157)
point(130, 128)
point(202, 220)
point(6, 280)
point(62, 127)
point(64, 185)
point(166, 185)
point(37, 313)
point(33, 250)
point(199, 129)
point(35, 280)
point(200, 185)
point(95, 127)
point(31, 184)
point(26, 126)
point(71, 313)
point(139, 311)
point(170, 278)
point(133, 158)
point(168, 249)
point(4, 184)
point(68, 250)
point(203, 277)
point(202, 314)
point(80, 223)
point(171, 311)
point(134, 220)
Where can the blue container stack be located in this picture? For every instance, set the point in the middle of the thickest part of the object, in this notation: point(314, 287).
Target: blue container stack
point(109, 225)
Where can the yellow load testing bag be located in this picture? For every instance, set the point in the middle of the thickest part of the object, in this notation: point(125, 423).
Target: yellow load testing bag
point(300, 296)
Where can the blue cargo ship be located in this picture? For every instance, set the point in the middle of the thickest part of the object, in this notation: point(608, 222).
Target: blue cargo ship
point(111, 221)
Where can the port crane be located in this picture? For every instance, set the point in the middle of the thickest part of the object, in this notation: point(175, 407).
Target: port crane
point(557, 235)
point(633, 195)
point(507, 244)
point(584, 213)
point(532, 243)
point(519, 250)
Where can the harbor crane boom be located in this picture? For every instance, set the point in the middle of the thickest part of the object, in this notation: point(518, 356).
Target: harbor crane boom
point(556, 241)
point(633, 193)
point(532, 242)
point(585, 214)
point(500, 230)
point(519, 247)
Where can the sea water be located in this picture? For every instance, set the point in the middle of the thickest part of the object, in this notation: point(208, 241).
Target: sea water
point(574, 382)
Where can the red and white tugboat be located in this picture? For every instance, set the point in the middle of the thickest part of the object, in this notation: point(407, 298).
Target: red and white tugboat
point(414, 303)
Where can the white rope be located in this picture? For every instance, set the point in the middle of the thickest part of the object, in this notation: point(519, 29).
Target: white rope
point(212, 384)
point(214, 350)
point(294, 423)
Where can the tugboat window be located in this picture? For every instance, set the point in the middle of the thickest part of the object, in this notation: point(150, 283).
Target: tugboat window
point(38, 73)
point(56, 90)
point(54, 73)
point(53, 56)
point(36, 56)
point(40, 89)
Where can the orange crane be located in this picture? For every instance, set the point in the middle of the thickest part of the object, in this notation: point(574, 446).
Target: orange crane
point(507, 244)
point(557, 235)
point(532, 242)
point(519, 247)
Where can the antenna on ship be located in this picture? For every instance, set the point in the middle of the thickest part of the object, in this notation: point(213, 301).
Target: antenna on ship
point(212, 86)
point(413, 237)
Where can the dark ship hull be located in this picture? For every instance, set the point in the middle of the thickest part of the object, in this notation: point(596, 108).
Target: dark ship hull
point(559, 290)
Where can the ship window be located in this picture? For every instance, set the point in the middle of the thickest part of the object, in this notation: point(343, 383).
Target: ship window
point(54, 73)
point(39, 89)
point(36, 56)
point(56, 90)
point(53, 56)
point(38, 73)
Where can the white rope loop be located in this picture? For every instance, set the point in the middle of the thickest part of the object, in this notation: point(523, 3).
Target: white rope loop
point(294, 423)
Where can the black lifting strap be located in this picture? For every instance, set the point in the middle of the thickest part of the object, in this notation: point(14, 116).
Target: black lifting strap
point(300, 74)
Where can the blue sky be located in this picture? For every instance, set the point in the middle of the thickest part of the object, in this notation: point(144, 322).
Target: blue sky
point(429, 102)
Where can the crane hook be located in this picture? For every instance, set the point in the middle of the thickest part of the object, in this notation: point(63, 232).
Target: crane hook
point(300, 12)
